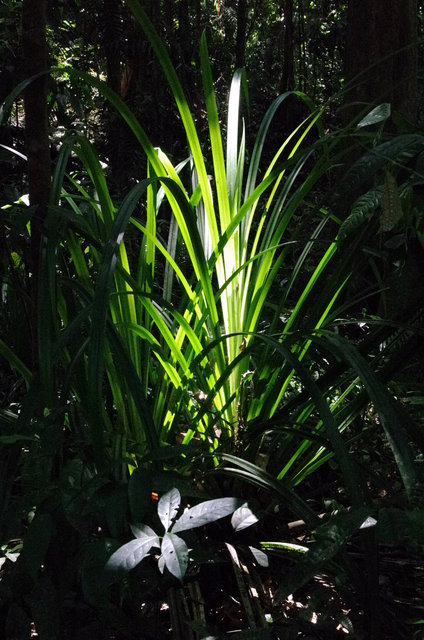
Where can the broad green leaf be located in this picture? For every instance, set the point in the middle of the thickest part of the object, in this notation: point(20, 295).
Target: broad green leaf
point(205, 512)
point(175, 554)
point(130, 555)
point(168, 507)
point(243, 517)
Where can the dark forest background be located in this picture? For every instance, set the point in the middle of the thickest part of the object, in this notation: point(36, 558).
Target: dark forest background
point(212, 303)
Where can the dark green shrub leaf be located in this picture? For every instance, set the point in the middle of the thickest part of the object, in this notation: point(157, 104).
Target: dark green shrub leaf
point(376, 115)
point(175, 555)
point(206, 512)
point(400, 148)
point(362, 211)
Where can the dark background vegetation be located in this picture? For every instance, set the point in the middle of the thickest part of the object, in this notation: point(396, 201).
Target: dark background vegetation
point(64, 508)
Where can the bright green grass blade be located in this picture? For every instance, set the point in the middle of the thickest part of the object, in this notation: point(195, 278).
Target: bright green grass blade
point(233, 167)
point(99, 316)
point(158, 351)
point(229, 299)
point(169, 260)
point(88, 157)
point(101, 301)
point(317, 274)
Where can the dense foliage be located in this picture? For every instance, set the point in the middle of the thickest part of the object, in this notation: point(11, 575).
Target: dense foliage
point(218, 312)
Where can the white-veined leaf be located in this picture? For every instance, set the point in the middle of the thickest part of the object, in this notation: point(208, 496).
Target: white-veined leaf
point(243, 517)
point(168, 506)
point(175, 555)
point(206, 512)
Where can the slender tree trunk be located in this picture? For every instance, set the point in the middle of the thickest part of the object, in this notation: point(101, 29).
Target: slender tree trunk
point(112, 21)
point(302, 66)
point(112, 15)
point(36, 135)
point(381, 53)
point(241, 32)
point(288, 114)
point(287, 76)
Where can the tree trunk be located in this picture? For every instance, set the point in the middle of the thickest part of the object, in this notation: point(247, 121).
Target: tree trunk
point(36, 135)
point(241, 32)
point(381, 54)
point(112, 21)
point(112, 17)
point(287, 76)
